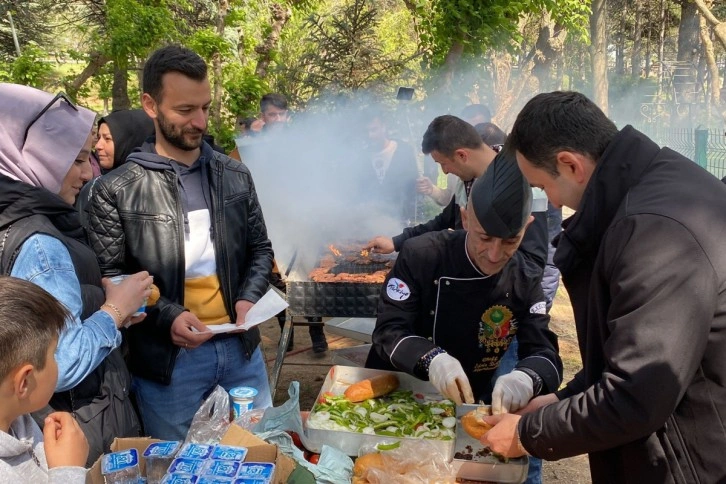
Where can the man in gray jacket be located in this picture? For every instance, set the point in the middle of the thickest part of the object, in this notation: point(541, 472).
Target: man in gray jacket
point(644, 264)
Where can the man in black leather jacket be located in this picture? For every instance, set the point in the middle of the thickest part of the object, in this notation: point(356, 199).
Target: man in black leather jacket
point(189, 216)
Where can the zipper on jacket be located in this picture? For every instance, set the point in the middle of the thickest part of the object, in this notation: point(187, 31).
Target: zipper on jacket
point(684, 448)
point(220, 247)
point(180, 239)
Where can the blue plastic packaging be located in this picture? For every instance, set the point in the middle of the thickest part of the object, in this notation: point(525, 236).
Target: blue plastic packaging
point(215, 480)
point(181, 465)
point(261, 471)
point(229, 452)
point(195, 451)
point(179, 479)
point(221, 468)
point(159, 456)
point(121, 467)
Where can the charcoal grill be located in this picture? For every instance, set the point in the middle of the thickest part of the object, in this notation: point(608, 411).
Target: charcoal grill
point(309, 299)
point(339, 298)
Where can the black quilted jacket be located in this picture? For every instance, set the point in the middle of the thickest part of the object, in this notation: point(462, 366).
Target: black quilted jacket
point(136, 223)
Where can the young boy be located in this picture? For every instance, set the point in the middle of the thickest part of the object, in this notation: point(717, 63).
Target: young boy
point(30, 321)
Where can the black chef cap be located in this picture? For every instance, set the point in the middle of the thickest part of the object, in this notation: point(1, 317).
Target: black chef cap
point(502, 198)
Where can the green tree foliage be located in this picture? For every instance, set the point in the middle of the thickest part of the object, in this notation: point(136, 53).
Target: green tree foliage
point(347, 54)
point(31, 68)
point(133, 27)
point(32, 24)
point(477, 25)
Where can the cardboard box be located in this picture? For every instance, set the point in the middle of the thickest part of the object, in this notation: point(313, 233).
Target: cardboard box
point(257, 451)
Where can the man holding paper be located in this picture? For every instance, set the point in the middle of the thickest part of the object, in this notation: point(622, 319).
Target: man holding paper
point(191, 218)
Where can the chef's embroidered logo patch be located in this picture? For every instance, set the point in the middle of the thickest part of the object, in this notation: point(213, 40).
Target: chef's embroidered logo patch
point(397, 289)
point(539, 308)
point(496, 328)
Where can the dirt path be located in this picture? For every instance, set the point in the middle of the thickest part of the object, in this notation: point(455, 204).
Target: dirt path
point(310, 370)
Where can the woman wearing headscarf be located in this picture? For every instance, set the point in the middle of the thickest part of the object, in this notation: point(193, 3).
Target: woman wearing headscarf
point(119, 134)
point(45, 143)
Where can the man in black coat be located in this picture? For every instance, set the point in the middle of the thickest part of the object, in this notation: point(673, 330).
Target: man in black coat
point(644, 264)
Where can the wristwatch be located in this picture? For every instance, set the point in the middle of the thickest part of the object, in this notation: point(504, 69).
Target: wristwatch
point(536, 379)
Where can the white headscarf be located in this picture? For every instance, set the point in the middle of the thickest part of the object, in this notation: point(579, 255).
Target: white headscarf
point(53, 142)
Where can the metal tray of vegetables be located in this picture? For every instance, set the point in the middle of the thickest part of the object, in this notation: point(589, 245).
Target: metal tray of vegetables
point(415, 410)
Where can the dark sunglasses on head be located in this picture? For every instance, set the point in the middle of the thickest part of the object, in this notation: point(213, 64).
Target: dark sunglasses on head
point(60, 96)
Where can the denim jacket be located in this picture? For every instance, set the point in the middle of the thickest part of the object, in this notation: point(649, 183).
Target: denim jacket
point(45, 261)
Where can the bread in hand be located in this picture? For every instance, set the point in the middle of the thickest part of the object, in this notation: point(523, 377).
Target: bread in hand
point(473, 422)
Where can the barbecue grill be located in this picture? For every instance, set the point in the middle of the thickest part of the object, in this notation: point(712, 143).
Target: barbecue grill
point(344, 292)
point(341, 294)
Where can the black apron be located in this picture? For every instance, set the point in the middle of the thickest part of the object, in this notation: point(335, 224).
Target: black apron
point(475, 323)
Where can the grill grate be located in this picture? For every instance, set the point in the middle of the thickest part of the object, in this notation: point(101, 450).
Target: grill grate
point(356, 268)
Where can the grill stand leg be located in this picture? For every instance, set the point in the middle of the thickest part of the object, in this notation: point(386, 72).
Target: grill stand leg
point(280, 358)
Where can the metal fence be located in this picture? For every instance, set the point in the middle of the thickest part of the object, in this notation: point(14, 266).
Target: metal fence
point(707, 147)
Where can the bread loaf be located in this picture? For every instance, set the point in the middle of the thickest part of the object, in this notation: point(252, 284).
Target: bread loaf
point(371, 388)
point(366, 462)
point(473, 423)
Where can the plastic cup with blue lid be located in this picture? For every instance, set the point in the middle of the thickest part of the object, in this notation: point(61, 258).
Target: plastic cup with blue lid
point(242, 400)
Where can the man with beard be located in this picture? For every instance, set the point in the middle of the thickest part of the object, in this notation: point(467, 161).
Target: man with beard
point(189, 216)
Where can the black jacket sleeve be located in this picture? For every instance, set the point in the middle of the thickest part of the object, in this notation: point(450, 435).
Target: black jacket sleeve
point(394, 337)
point(259, 250)
point(538, 349)
point(535, 244)
point(449, 218)
point(658, 323)
point(107, 238)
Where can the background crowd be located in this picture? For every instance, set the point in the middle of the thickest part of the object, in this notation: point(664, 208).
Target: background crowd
point(160, 204)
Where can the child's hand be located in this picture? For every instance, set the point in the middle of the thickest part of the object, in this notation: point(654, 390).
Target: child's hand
point(64, 441)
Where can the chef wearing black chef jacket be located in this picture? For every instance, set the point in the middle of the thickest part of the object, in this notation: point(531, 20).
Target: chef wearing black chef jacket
point(455, 299)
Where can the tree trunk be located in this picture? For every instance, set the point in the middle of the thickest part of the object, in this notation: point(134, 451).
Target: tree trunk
point(598, 36)
point(120, 89)
point(635, 59)
point(548, 48)
point(708, 51)
point(95, 62)
point(688, 33)
point(684, 80)
point(451, 65)
point(620, 45)
point(647, 45)
point(661, 43)
point(280, 16)
point(719, 28)
point(217, 69)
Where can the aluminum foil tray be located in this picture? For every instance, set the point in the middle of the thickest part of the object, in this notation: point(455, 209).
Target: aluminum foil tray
point(337, 380)
point(333, 299)
point(471, 466)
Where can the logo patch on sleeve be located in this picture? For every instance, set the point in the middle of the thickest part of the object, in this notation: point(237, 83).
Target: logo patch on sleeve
point(539, 308)
point(397, 290)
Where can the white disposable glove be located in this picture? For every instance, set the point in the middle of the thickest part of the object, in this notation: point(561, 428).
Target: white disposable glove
point(448, 377)
point(512, 392)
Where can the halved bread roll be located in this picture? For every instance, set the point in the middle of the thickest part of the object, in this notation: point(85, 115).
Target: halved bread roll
point(473, 422)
